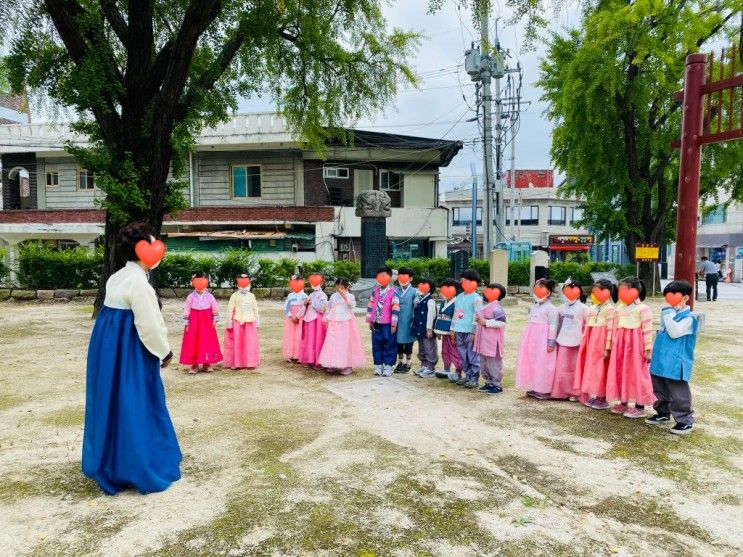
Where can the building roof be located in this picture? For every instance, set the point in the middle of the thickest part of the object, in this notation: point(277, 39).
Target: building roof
point(266, 130)
point(456, 197)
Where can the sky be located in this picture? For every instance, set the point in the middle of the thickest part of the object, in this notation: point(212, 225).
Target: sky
point(437, 109)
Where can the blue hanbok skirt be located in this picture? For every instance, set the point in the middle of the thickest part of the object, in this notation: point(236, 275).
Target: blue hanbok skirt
point(129, 440)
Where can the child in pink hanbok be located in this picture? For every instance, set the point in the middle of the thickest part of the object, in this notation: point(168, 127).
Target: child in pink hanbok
point(449, 353)
point(595, 347)
point(293, 312)
point(535, 363)
point(200, 345)
point(490, 338)
point(314, 327)
point(628, 379)
point(342, 350)
point(570, 325)
point(241, 348)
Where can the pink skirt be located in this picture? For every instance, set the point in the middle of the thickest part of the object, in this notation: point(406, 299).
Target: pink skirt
point(562, 386)
point(313, 336)
point(535, 367)
point(590, 369)
point(200, 344)
point(292, 338)
point(342, 348)
point(241, 349)
point(628, 376)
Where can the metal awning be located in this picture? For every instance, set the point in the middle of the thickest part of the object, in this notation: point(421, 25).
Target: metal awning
point(569, 247)
point(231, 235)
point(719, 240)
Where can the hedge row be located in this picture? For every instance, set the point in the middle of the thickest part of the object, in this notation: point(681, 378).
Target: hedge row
point(438, 269)
point(4, 269)
point(42, 267)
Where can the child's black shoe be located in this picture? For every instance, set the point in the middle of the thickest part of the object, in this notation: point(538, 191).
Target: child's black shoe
point(682, 429)
point(658, 420)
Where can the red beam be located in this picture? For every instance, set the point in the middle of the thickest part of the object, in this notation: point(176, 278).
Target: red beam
point(721, 84)
point(729, 135)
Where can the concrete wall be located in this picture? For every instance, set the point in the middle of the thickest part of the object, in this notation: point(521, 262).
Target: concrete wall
point(419, 190)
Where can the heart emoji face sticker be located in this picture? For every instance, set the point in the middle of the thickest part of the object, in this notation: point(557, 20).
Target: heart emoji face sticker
point(541, 291)
point(200, 283)
point(296, 285)
point(628, 295)
point(403, 278)
point(424, 288)
point(383, 279)
point(316, 280)
point(448, 292)
point(243, 282)
point(492, 294)
point(469, 286)
point(572, 293)
point(601, 294)
point(674, 298)
point(150, 253)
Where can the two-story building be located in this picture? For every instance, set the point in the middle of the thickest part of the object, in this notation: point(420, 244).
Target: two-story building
point(250, 183)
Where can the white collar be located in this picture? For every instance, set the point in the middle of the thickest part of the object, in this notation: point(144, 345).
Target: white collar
point(135, 265)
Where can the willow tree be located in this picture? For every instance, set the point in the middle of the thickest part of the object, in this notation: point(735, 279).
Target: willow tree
point(145, 76)
point(609, 87)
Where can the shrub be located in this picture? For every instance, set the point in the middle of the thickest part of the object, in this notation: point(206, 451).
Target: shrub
point(176, 269)
point(343, 268)
point(518, 272)
point(325, 268)
point(482, 267)
point(4, 269)
point(232, 264)
point(44, 267)
point(581, 272)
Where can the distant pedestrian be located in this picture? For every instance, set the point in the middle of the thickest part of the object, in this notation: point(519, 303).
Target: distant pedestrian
point(708, 271)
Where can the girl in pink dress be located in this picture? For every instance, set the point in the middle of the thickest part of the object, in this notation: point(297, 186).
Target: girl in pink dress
point(570, 325)
point(241, 348)
point(342, 350)
point(314, 327)
point(628, 377)
point(535, 363)
point(200, 346)
point(293, 312)
point(595, 347)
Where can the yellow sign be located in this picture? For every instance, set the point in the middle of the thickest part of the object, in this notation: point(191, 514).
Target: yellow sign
point(647, 252)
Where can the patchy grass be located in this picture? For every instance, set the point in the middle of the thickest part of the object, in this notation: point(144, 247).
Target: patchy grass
point(50, 480)
point(9, 401)
point(83, 536)
point(69, 416)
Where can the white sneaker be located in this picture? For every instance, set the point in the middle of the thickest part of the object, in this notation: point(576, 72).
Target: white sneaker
point(387, 371)
point(419, 371)
point(426, 373)
point(378, 370)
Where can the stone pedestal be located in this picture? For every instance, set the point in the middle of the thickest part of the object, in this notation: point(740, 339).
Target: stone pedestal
point(374, 208)
point(499, 266)
point(538, 259)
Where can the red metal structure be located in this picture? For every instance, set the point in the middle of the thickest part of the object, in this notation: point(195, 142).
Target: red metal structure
point(713, 113)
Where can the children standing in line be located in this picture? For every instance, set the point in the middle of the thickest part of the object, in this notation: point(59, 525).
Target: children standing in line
point(342, 349)
point(570, 325)
point(628, 377)
point(314, 327)
point(490, 338)
point(424, 317)
point(467, 304)
point(293, 310)
point(673, 360)
point(406, 297)
point(382, 317)
point(595, 347)
point(241, 347)
point(200, 345)
point(449, 354)
point(535, 364)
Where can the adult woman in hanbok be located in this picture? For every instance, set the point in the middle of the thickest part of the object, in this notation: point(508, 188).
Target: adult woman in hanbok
point(129, 440)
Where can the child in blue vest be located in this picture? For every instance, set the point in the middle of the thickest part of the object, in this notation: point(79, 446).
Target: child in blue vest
point(406, 295)
point(466, 306)
point(450, 356)
point(673, 360)
point(424, 318)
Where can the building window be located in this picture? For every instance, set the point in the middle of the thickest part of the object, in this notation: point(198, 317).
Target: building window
point(390, 181)
point(246, 181)
point(576, 214)
point(85, 180)
point(336, 172)
point(717, 216)
point(556, 216)
point(529, 216)
point(52, 179)
point(462, 216)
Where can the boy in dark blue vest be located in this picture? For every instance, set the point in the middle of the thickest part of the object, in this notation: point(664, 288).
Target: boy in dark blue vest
point(424, 317)
point(673, 360)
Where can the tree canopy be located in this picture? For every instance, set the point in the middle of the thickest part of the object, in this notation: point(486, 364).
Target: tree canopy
point(609, 88)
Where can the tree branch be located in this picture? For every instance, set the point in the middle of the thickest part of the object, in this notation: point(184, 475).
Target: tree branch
point(116, 20)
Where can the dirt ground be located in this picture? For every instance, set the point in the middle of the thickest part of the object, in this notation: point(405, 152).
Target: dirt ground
point(277, 464)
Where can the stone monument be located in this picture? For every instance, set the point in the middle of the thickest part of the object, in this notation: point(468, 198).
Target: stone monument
point(374, 208)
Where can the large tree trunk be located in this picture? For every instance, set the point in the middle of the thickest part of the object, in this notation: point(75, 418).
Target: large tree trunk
point(112, 261)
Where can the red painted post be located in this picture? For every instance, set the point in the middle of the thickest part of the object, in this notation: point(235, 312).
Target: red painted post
point(689, 174)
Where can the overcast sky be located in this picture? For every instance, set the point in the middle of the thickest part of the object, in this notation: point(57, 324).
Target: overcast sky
point(434, 109)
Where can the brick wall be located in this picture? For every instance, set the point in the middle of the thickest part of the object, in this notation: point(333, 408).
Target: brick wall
point(209, 214)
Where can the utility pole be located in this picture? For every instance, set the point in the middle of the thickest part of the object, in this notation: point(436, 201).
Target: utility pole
point(487, 100)
point(512, 207)
point(473, 227)
point(498, 72)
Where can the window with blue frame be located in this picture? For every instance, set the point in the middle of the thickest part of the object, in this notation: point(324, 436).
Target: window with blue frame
point(717, 216)
point(246, 181)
